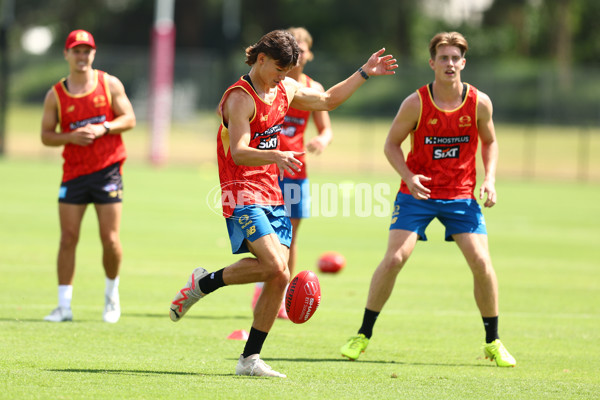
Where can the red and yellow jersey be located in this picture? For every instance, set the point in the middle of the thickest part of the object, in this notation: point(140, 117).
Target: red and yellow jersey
point(241, 184)
point(77, 110)
point(292, 136)
point(444, 146)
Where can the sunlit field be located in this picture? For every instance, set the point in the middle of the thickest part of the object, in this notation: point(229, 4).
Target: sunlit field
point(543, 235)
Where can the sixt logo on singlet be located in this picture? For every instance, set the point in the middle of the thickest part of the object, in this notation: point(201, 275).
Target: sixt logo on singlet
point(441, 153)
point(94, 120)
point(269, 139)
point(446, 139)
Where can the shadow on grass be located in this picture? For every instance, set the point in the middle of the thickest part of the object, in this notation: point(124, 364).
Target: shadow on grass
point(131, 372)
point(136, 315)
point(166, 315)
point(392, 362)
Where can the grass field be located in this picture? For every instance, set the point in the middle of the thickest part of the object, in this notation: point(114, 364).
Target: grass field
point(544, 241)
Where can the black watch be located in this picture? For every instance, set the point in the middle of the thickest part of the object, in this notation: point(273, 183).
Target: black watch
point(106, 126)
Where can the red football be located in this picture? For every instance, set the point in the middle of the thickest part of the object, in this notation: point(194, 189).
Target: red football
point(302, 297)
point(331, 262)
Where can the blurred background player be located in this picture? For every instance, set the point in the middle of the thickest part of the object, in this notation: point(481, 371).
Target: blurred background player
point(296, 187)
point(250, 164)
point(445, 121)
point(91, 109)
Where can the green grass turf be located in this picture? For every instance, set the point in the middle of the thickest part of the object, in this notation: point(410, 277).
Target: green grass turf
point(543, 237)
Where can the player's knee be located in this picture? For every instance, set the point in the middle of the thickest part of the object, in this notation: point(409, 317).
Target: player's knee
point(393, 262)
point(276, 270)
point(68, 239)
point(109, 239)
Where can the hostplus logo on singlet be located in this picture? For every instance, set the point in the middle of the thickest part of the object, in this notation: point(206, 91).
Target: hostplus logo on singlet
point(446, 147)
point(269, 139)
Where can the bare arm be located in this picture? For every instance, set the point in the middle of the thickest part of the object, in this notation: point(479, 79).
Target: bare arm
point(489, 149)
point(404, 123)
point(238, 109)
point(323, 123)
point(124, 115)
point(312, 100)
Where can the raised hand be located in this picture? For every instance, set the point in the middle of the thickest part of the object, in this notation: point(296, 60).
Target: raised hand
point(380, 65)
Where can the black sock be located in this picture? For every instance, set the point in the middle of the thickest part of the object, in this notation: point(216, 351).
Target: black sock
point(368, 321)
point(255, 342)
point(211, 282)
point(491, 328)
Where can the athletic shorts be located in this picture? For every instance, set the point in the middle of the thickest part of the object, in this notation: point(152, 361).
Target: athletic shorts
point(296, 194)
point(255, 221)
point(100, 187)
point(457, 216)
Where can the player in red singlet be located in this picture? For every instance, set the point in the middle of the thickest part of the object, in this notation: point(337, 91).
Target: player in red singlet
point(250, 161)
point(445, 120)
point(91, 110)
point(296, 187)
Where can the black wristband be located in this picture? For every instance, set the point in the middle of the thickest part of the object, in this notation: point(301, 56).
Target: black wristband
point(363, 73)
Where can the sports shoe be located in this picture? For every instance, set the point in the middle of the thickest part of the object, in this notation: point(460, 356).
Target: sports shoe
point(188, 296)
point(254, 366)
point(356, 345)
point(59, 314)
point(496, 351)
point(112, 309)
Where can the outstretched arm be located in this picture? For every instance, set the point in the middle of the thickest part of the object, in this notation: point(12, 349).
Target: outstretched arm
point(313, 100)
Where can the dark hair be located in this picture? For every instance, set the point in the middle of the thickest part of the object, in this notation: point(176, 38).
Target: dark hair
point(448, 39)
point(280, 45)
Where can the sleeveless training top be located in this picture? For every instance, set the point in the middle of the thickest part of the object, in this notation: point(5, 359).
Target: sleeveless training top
point(77, 110)
point(444, 146)
point(292, 136)
point(241, 184)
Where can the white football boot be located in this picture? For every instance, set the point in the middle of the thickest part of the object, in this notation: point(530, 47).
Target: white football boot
point(112, 308)
point(59, 314)
point(254, 366)
point(188, 296)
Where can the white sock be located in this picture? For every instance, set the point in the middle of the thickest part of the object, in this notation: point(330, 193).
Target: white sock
point(65, 295)
point(112, 287)
point(260, 284)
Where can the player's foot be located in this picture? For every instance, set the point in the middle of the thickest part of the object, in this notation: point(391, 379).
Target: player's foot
point(188, 296)
point(496, 351)
point(112, 309)
point(59, 314)
point(355, 345)
point(254, 366)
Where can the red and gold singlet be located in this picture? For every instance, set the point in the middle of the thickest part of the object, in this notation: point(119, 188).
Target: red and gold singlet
point(292, 136)
point(444, 146)
point(241, 184)
point(77, 110)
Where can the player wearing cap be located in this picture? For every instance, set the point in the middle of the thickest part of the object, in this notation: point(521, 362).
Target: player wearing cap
point(90, 109)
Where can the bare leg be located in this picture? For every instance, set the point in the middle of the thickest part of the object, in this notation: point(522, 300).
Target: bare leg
point(270, 267)
point(109, 221)
point(70, 216)
point(475, 249)
point(400, 246)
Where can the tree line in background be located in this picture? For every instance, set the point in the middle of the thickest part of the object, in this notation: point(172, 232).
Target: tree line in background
point(536, 58)
point(564, 30)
